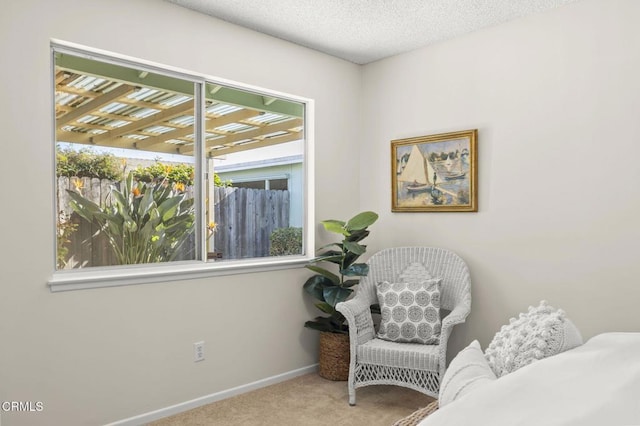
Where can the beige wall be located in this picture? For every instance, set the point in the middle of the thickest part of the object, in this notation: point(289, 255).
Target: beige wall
point(555, 98)
point(98, 356)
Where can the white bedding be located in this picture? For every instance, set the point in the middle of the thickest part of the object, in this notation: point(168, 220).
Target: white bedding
point(597, 383)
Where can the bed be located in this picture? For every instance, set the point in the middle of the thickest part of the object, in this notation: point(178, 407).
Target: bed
point(597, 383)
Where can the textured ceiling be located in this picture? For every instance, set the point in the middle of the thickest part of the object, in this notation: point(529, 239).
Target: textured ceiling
point(364, 31)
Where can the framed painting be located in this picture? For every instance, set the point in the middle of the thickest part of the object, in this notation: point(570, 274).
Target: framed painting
point(435, 173)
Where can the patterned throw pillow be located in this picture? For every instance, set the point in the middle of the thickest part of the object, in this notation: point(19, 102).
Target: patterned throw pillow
point(541, 332)
point(410, 311)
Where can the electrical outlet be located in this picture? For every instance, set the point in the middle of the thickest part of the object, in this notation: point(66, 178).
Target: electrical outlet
point(198, 351)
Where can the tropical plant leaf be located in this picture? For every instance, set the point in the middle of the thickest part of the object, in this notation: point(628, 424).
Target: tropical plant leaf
point(335, 280)
point(355, 248)
point(146, 202)
point(336, 258)
point(129, 184)
point(336, 226)
point(169, 207)
point(85, 206)
point(356, 270)
point(361, 221)
point(315, 286)
point(331, 245)
point(356, 236)
point(330, 256)
point(120, 199)
point(349, 259)
point(350, 283)
point(130, 225)
point(335, 294)
point(114, 228)
point(140, 228)
point(321, 324)
point(325, 307)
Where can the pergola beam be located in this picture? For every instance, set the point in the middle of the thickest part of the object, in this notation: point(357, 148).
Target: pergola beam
point(258, 143)
point(94, 104)
point(155, 119)
point(152, 143)
point(133, 132)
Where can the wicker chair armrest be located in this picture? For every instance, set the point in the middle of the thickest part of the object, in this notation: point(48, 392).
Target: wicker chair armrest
point(357, 311)
point(457, 316)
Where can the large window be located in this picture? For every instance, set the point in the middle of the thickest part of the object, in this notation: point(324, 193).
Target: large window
point(138, 194)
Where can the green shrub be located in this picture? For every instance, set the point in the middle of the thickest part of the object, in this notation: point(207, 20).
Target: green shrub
point(285, 241)
point(86, 163)
point(173, 173)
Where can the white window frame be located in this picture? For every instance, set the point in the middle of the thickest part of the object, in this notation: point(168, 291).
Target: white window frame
point(95, 277)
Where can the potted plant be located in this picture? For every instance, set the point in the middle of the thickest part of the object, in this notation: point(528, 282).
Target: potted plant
point(330, 288)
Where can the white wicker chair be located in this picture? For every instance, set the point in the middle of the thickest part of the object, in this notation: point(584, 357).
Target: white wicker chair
point(412, 365)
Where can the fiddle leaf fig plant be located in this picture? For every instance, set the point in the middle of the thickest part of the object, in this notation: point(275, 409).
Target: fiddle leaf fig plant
point(332, 287)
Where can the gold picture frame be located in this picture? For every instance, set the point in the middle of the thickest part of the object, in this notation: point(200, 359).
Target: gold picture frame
point(435, 173)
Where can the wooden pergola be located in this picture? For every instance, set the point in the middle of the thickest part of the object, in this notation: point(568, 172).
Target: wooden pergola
point(110, 105)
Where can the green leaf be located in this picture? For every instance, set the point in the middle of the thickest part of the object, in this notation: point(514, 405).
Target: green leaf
point(130, 225)
point(86, 204)
point(328, 253)
point(136, 228)
point(361, 221)
point(146, 203)
point(87, 209)
point(356, 270)
point(114, 228)
point(334, 257)
point(129, 184)
point(336, 226)
point(120, 199)
point(334, 294)
point(320, 324)
point(350, 283)
point(331, 245)
point(325, 307)
point(169, 208)
point(328, 274)
point(356, 236)
point(355, 248)
point(315, 286)
point(349, 259)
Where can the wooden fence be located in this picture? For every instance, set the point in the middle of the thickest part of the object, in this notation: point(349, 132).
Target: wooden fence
point(245, 219)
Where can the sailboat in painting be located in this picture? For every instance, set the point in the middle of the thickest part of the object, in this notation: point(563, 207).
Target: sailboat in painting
point(458, 157)
point(419, 174)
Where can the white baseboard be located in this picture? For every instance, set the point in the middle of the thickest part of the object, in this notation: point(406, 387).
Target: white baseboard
point(208, 399)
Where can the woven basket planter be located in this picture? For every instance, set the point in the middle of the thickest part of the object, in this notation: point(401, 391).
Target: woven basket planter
point(334, 356)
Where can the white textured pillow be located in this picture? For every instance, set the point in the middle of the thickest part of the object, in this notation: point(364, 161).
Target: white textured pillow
point(410, 311)
point(467, 371)
point(541, 332)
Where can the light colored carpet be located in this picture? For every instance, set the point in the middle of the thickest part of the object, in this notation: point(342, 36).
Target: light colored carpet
point(307, 400)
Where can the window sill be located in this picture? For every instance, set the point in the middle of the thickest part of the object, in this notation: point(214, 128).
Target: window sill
point(146, 274)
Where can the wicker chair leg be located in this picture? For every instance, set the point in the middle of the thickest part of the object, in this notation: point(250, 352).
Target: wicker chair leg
point(352, 390)
point(352, 400)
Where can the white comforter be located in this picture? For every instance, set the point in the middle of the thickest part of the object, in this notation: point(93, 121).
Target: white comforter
point(597, 383)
